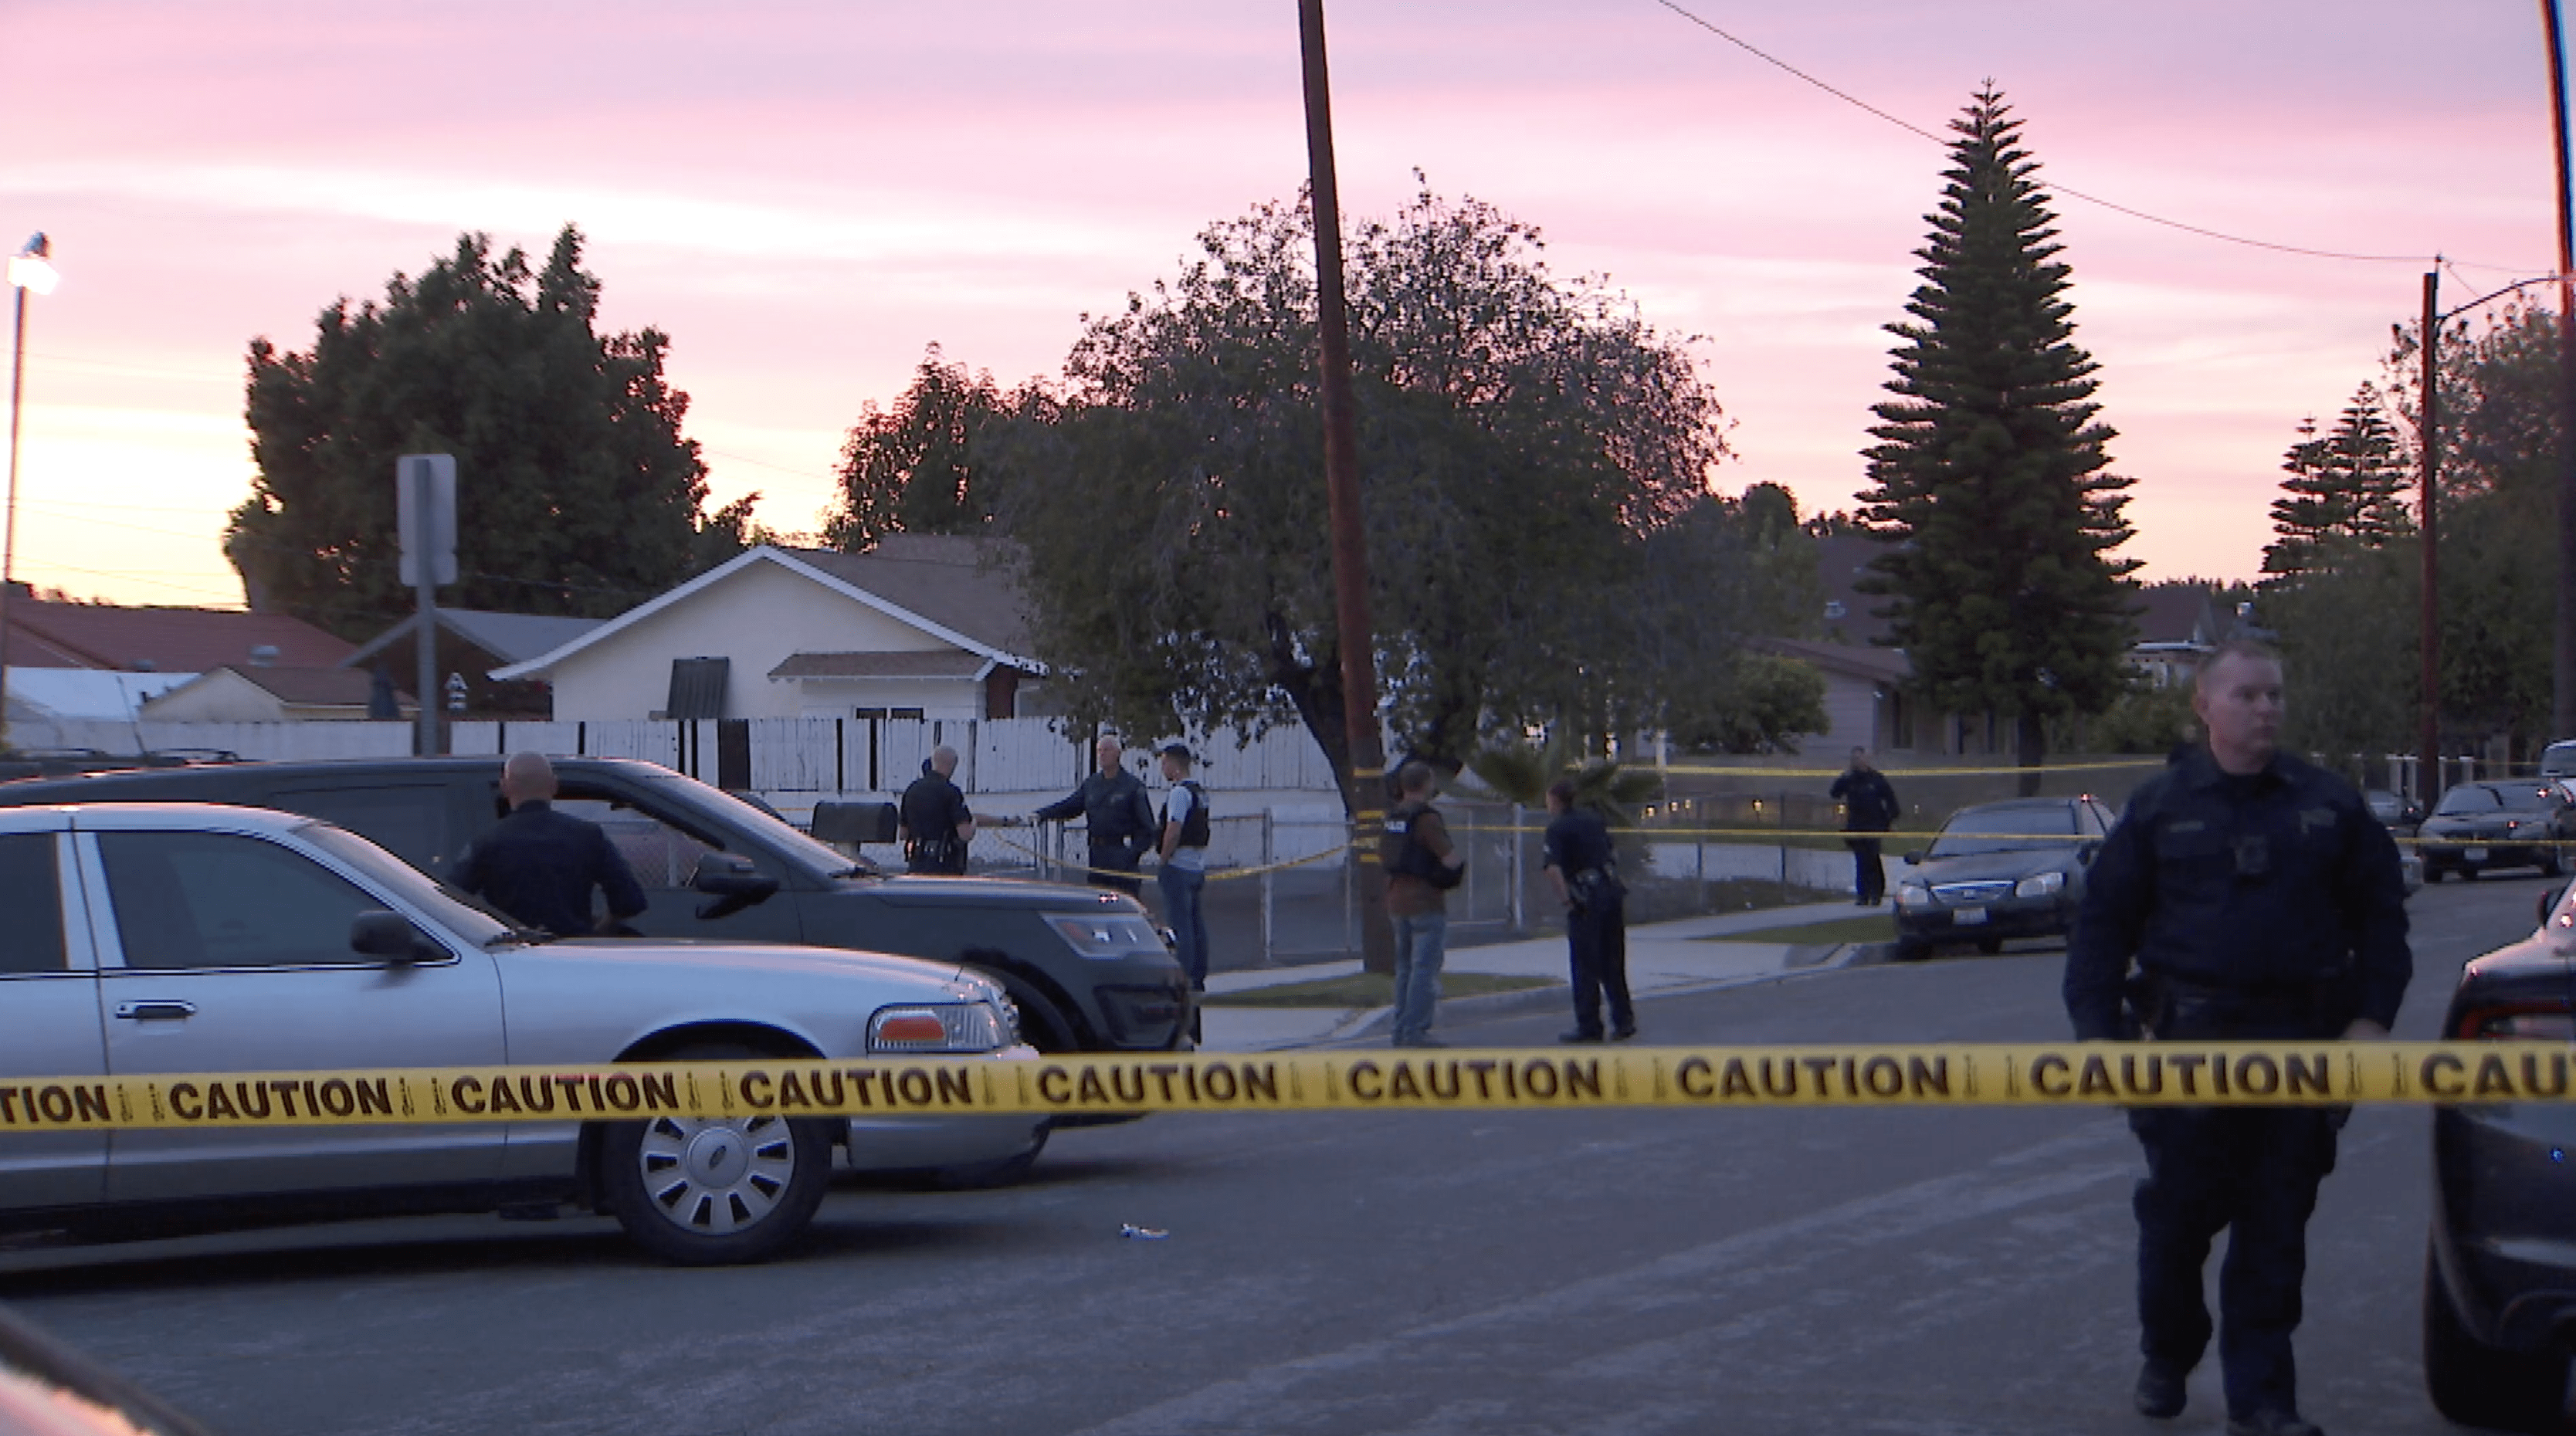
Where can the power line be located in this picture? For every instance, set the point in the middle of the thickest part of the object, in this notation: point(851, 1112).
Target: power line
point(1914, 129)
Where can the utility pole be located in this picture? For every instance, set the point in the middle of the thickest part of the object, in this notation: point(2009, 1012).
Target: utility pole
point(1364, 784)
point(2562, 692)
point(2428, 729)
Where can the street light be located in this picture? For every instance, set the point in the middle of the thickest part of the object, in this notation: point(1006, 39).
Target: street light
point(30, 268)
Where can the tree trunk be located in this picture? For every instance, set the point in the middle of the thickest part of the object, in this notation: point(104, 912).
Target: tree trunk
point(1316, 693)
point(2031, 745)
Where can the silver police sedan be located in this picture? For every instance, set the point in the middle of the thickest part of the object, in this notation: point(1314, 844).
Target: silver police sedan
point(174, 938)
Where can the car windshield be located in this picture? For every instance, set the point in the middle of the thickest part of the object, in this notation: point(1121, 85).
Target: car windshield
point(821, 859)
point(2005, 830)
point(453, 910)
point(2471, 798)
point(2527, 799)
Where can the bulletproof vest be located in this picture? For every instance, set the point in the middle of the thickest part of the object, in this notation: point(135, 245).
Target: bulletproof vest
point(1194, 828)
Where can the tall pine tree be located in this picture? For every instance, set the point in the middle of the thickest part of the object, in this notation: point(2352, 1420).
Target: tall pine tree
point(1991, 472)
point(2345, 492)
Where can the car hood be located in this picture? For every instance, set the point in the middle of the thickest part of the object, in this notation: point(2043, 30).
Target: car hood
point(646, 960)
point(985, 893)
point(1992, 867)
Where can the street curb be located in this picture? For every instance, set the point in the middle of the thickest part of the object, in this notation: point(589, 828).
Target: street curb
point(1491, 1004)
point(1869, 954)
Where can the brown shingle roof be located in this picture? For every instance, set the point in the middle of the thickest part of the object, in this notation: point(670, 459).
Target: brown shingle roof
point(169, 640)
point(967, 585)
point(314, 687)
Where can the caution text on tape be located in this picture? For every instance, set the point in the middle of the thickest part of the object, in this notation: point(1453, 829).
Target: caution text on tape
point(1967, 1075)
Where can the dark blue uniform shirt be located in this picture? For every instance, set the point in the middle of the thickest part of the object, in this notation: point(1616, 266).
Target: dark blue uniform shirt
point(539, 866)
point(2266, 886)
point(1115, 811)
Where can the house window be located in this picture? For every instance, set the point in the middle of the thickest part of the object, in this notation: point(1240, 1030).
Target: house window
point(698, 687)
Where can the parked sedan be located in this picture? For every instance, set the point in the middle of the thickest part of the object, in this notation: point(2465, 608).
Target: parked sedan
point(1999, 871)
point(2500, 1271)
point(153, 938)
point(2478, 826)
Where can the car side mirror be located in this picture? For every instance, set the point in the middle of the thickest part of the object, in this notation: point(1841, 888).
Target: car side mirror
point(2549, 902)
point(730, 875)
point(386, 935)
point(1914, 859)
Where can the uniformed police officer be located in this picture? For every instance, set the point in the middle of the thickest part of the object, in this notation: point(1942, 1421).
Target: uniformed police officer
point(539, 866)
point(1118, 818)
point(2259, 900)
point(933, 823)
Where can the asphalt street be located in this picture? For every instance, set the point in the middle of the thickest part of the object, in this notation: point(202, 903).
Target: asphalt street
point(1927, 1272)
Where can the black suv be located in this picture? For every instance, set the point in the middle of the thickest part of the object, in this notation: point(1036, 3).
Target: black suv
point(2500, 1274)
point(1088, 970)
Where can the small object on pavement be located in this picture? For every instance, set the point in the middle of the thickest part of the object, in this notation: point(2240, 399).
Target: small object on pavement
point(1142, 1234)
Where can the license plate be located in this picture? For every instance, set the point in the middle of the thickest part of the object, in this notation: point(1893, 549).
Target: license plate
point(1967, 916)
point(2473, 855)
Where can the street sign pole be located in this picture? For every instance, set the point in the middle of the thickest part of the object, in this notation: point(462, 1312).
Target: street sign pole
point(425, 501)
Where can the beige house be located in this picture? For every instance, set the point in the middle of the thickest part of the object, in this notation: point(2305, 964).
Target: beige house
point(917, 627)
point(256, 694)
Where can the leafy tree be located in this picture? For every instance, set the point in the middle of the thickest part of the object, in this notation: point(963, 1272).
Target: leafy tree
point(920, 466)
point(1522, 440)
point(1771, 703)
point(576, 493)
point(1991, 470)
point(2346, 490)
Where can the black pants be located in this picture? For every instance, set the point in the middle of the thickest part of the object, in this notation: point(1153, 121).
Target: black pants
point(2252, 1171)
point(1115, 869)
point(1869, 877)
point(1596, 942)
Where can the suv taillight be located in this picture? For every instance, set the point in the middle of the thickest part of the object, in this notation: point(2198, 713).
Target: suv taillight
point(2519, 1021)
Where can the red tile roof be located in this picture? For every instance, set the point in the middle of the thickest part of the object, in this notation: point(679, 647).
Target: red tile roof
point(166, 640)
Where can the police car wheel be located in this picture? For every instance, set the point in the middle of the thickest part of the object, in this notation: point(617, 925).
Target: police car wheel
point(699, 1191)
point(2480, 1385)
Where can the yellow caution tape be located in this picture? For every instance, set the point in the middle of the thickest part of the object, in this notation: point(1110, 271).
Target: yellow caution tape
point(1963, 1075)
point(1213, 875)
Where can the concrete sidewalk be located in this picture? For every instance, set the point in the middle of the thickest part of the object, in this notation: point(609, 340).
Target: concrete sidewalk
point(1663, 958)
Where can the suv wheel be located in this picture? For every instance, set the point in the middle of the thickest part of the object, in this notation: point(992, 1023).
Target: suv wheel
point(2480, 1385)
point(713, 1191)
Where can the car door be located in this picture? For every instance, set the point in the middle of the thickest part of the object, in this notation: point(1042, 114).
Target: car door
point(228, 951)
point(663, 845)
point(49, 1022)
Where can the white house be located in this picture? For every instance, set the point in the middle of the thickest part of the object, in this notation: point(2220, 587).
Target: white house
point(918, 627)
point(254, 693)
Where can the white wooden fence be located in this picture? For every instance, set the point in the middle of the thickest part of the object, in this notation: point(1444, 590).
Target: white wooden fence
point(786, 755)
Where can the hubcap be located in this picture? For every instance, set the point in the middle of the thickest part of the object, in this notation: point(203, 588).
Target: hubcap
point(714, 1178)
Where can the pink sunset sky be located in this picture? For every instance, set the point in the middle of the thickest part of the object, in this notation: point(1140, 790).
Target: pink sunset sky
point(805, 195)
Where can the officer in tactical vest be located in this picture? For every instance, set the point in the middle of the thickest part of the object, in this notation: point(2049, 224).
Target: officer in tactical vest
point(1118, 817)
point(1183, 875)
point(2258, 900)
point(935, 825)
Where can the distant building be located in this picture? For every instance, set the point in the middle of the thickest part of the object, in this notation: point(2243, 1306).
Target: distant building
point(250, 694)
point(918, 627)
point(471, 643)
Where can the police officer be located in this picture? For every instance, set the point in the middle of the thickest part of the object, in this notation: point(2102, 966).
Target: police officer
point(1869, 806)
point(1583, 867)
point(539, 866)
point(1118, 818)
point(2258, 900)
point(934, 824)
point(1183, 875)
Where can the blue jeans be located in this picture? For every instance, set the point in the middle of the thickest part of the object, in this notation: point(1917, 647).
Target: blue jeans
point(1185, 908)
point(1421, 942)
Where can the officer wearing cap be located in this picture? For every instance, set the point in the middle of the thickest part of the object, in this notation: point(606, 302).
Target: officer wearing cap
point(2244, 895)
point(1117, 816)
point(539, 866)
point(1183, 875)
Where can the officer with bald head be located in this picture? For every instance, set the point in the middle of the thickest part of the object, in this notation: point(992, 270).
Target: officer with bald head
point(539, 867)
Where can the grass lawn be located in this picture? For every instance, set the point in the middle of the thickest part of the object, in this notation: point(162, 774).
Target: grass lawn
point(1367, 989)
point(1876, 927)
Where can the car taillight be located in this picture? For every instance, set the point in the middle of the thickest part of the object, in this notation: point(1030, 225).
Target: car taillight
point(2519, 1021)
